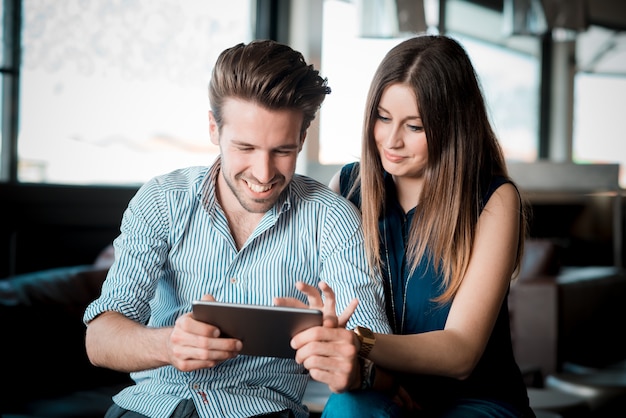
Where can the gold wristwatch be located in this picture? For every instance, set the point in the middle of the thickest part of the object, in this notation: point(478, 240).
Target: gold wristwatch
point(367, 339)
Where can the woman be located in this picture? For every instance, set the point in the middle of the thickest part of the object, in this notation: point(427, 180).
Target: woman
point(446, 229)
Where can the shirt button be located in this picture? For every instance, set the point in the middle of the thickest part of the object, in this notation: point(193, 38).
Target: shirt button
point(195, 386)
point(233, 280)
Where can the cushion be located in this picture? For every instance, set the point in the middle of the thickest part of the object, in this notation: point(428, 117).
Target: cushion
point(541, 258)
point(41, 315)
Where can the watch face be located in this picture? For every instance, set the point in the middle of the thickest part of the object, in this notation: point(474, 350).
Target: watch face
point(365, 332)
point(367, 339)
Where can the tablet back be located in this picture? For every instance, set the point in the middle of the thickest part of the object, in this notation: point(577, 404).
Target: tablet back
point(263, 330)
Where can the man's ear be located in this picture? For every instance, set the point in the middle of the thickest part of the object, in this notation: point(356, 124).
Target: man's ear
point(302, 138)
point(214, 132)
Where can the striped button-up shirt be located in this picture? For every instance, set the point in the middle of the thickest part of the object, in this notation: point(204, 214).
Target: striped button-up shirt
point(175, 246)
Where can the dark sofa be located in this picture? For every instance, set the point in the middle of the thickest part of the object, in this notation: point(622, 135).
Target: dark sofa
point(566, 315)
point(45, 369)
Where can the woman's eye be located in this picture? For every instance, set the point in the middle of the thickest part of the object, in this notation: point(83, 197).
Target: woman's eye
point(383, 118)
point(415, 128)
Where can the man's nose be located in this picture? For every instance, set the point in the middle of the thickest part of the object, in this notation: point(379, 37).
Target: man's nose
point(264, 168)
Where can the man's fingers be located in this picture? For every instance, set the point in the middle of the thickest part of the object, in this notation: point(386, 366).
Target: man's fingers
point(329, 305)
point(289, 302)
point(347, 313)
point(312, 294)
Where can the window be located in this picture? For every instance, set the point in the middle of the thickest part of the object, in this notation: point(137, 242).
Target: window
point(511, 90)
point(349, 62)
point(115, 92)
point(599, 135)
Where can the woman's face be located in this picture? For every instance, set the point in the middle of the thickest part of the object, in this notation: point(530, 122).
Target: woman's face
point(399, 133)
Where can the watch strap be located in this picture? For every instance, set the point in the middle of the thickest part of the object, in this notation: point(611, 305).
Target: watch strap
point(368, 373)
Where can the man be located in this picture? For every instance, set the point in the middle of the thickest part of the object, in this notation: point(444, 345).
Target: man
point(244, 230)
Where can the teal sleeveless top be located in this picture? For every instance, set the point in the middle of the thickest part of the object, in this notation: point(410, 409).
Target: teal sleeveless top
point(410, 310)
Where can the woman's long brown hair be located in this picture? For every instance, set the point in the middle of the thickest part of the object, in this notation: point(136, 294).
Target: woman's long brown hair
point(463, 155)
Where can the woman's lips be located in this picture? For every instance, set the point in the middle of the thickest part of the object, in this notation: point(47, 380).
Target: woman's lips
point(393, 158)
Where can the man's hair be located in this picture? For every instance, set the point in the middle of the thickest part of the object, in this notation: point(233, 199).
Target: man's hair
point(270, 74)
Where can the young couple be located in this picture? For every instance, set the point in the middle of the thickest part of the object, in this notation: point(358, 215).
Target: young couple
point(420, 273)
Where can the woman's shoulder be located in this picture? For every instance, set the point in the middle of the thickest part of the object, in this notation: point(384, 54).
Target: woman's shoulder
point(499, 180)
point(350, 168)
point(495, 182)
point(503, 192)
point(348, 175)
point(345, 182)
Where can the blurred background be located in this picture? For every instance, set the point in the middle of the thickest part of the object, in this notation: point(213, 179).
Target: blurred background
point(101, 95)
point(114, 92)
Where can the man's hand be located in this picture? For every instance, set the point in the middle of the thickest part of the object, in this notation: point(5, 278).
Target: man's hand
point(329, 352)
point(316, 302)
point(330, 355)
point(196, 345)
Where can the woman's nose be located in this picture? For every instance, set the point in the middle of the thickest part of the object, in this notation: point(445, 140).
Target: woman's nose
point(393, 137)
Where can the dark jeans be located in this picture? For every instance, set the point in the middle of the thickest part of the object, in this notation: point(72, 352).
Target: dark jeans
point(185, 409)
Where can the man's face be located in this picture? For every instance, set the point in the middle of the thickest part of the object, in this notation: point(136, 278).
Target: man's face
point(259, 149)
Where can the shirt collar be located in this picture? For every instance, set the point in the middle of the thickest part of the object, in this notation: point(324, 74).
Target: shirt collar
point(206, 192)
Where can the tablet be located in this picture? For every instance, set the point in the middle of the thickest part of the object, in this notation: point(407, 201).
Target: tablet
point(263, 330)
